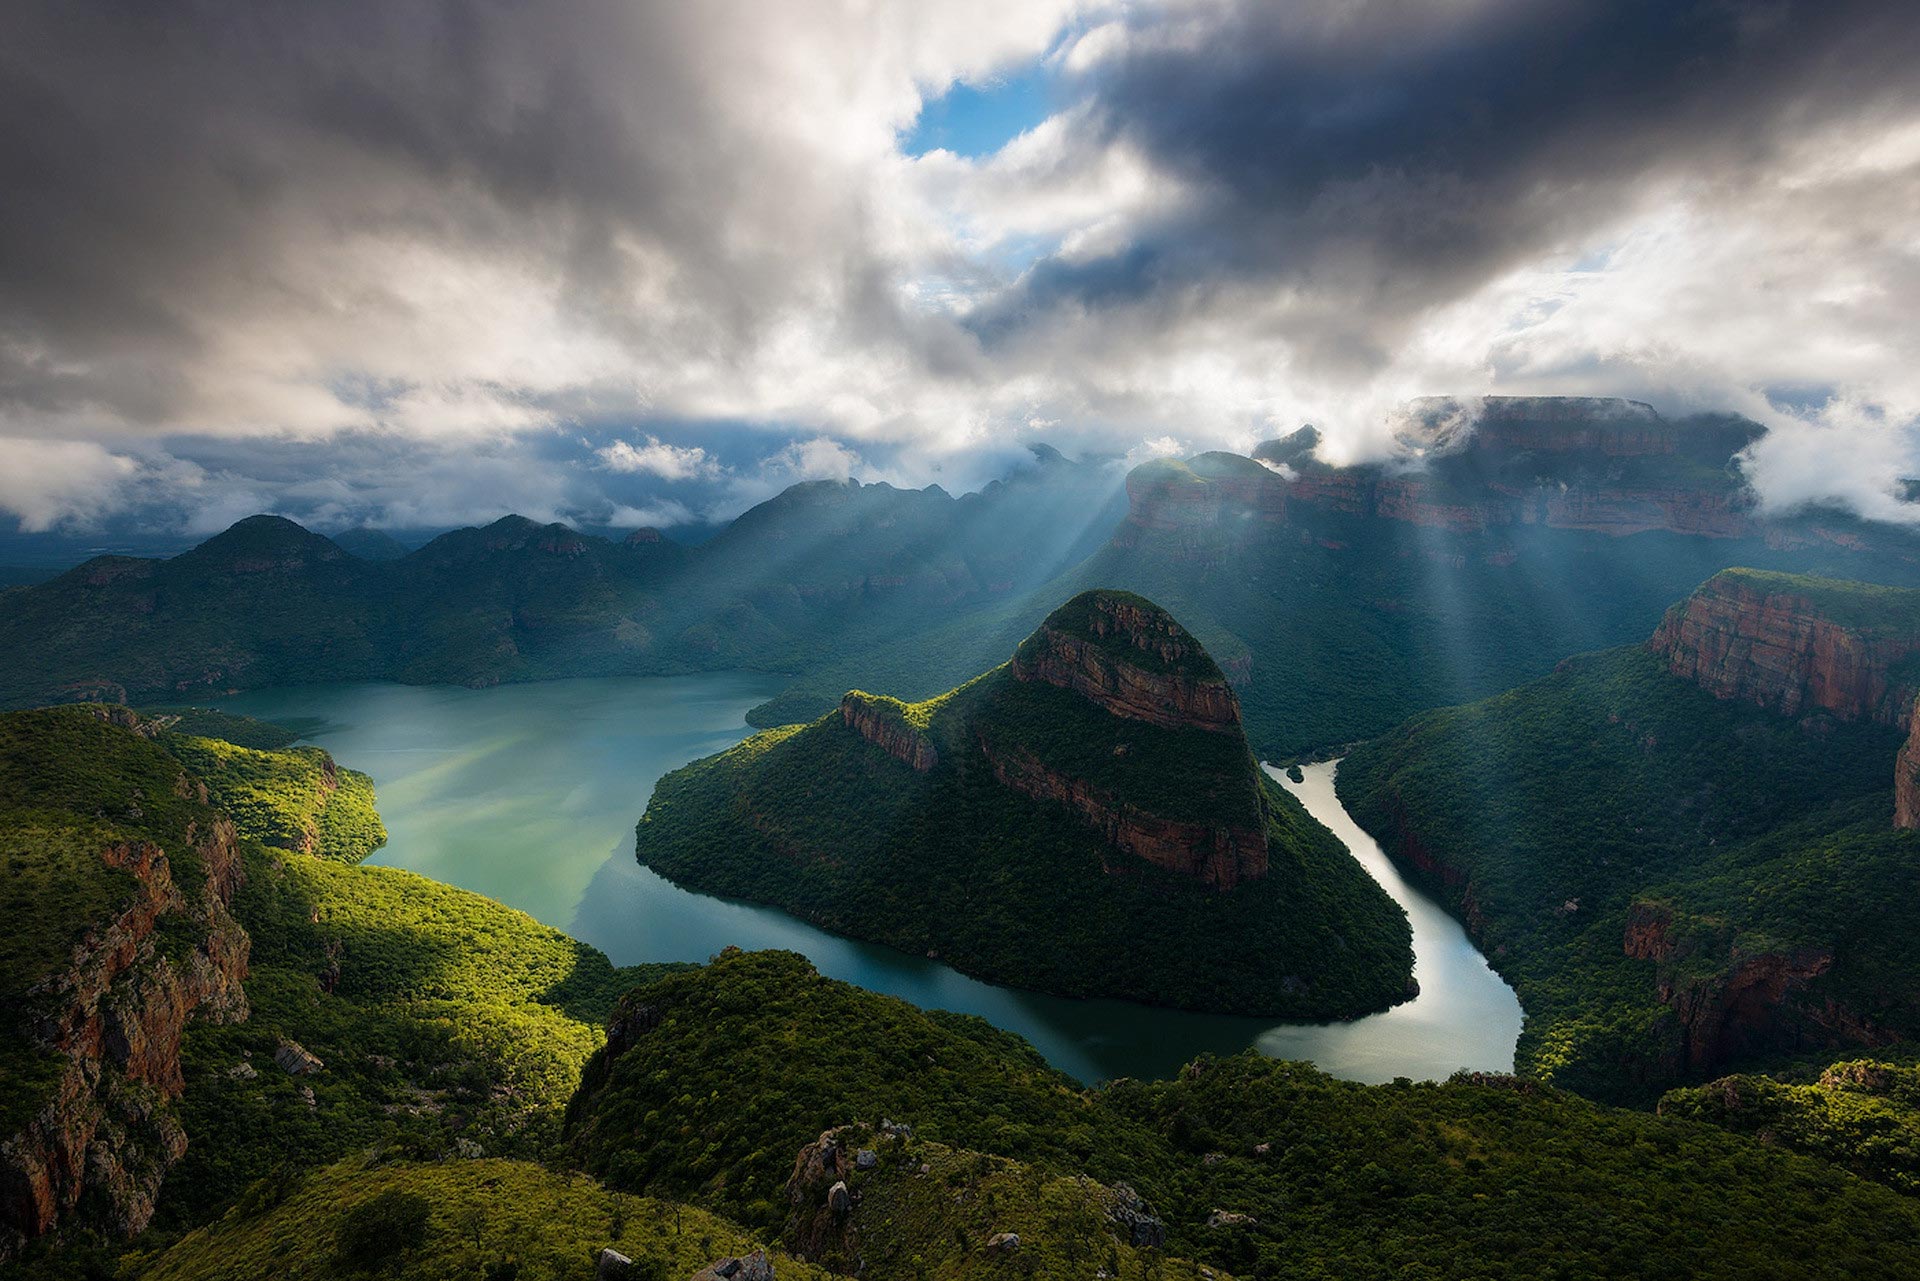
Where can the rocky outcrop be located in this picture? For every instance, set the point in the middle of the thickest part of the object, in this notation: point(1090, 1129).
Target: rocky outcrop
point(1728, 1002)
point(1795, 645)
point(1221, 855)
point(755, 1266)
point(1906, 775)
point(1131, 658)
point(819, 1205)
point(110, 1025)
point(883, 722)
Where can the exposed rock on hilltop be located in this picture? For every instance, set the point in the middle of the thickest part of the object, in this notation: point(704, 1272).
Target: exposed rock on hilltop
point(1097, 790)
point(884, 722)
point(1129, 657)
point(1796, 645)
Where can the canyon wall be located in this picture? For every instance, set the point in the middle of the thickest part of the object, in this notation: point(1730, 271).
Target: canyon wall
point(1768, 639)
point(108, 1027)
point(1220, 855)
point(882, 722)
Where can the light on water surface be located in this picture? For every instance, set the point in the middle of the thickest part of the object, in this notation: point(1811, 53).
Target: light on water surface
point(529, 794)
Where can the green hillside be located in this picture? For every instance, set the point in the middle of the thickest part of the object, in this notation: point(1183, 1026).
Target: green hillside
point(1612, 794)
point(1254, 1167)
point(1021, 887)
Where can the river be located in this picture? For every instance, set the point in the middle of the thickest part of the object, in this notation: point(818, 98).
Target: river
point(529, 793)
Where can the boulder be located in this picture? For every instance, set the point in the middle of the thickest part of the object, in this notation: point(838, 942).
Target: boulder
point(1004, 1242)
point(295, 1060)
point(612, 1266)
point(753, 1267)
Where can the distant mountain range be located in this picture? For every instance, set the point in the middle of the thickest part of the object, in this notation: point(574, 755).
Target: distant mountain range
point(1339, 599)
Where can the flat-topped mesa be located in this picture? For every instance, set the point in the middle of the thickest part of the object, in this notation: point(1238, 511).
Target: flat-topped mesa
point(883, 722)
point(1125, 654)
point(1796, 644)
point(1560, 424)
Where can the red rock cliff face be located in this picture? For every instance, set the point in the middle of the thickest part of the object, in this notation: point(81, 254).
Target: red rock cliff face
point(879, 722)
point(1738, 639)
point(1906, 776)
point(1733, 1004)
point(1152, 689)
point(1221, 856)
point(113, 1020)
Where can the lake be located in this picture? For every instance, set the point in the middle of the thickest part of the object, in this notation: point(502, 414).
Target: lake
point(529, 793)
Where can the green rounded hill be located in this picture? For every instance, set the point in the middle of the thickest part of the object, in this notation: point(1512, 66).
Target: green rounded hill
point(1086, 819)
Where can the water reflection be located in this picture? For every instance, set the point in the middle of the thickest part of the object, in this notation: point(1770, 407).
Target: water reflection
point(528, 793)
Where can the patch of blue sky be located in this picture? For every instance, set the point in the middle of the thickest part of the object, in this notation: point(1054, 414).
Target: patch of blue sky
point(974, 120)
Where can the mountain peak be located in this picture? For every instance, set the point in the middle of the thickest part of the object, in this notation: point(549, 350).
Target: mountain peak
point(1129, 656)
point(264, 542)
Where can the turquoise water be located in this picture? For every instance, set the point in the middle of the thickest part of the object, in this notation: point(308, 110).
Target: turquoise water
point(529, 794)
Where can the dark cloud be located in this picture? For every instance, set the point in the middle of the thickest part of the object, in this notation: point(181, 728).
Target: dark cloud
point(1380, 157)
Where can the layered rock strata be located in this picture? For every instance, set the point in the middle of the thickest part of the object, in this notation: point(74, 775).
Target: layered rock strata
point(1767, 639)
point(1130, 658)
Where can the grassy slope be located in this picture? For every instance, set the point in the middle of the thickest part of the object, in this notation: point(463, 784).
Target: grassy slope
point(754, 1055)
point(1611, 780)
point(487, 1214)
point(451, 1019)
point(293, 798)
point(822, 823)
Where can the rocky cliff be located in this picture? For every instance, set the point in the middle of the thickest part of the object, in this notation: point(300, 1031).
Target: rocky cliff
point(1797, 645)
point(1906, 776)
point(1220, 854)
point(106, 1027)
point(1729, 1001)
point(1130, 658)
point(883, 722)
point(1467, 466)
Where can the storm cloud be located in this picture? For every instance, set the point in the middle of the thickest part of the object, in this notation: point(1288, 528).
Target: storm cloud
point(374, 261)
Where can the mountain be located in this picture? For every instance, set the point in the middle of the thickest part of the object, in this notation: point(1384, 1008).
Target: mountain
point(1683, 854)
point(1084, 819)
point(1341, 599)
point(814, 572)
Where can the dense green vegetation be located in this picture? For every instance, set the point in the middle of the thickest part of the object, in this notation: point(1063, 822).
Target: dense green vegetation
point(485, 1220)
point(1546, 813)
point(737, 1065)
point(211, 722)
point(447, 1023)
point(1863, 1114)
point(953, 862)
point(293, 798)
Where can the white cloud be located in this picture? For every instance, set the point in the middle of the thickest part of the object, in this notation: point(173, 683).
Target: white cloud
point(48, 483)
point(657, 458)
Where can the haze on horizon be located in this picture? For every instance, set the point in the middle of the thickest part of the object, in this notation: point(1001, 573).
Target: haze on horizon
point(425, 264)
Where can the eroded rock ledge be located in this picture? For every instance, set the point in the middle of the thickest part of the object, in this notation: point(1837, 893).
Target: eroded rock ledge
point(883, 722)
point(1770, 639)
point(1129, 657)
point(1220, 855)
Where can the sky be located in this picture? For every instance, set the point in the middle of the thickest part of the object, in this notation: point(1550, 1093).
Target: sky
point(423, 264)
